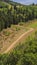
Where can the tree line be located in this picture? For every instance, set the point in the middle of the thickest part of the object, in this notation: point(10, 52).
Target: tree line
point(16, 14)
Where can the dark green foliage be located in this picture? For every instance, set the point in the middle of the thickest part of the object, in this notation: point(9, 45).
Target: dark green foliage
point(16, 14)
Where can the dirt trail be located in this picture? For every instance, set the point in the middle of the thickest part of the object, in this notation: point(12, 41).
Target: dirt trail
point(15, 42)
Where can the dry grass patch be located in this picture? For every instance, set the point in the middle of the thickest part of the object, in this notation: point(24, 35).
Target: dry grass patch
point(9, 35)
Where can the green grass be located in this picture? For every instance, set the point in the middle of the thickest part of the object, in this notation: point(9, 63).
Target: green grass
point(29, 24)
point(33, 25)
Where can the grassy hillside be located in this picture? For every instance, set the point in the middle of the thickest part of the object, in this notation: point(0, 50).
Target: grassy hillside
point(16, 19)
point(15, 3)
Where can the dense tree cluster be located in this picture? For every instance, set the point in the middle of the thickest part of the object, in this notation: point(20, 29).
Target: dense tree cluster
point(23, 54)
point(16, 14)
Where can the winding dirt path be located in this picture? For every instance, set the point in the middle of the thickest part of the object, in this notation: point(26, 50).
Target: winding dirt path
point(15, 42)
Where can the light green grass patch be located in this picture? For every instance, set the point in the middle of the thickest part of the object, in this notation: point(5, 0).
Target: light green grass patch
point(33, 25)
